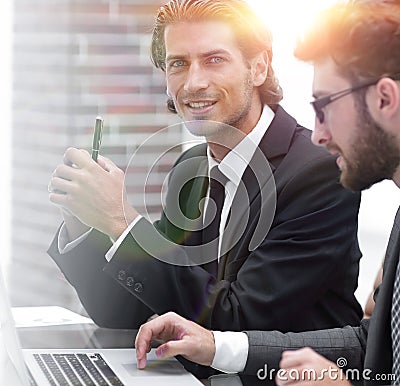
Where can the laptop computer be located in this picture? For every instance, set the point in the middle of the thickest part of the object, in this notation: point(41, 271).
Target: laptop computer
point(23, 367)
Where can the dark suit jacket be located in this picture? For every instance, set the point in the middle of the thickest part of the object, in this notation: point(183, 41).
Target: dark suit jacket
point(302, 275)
point(368, 346)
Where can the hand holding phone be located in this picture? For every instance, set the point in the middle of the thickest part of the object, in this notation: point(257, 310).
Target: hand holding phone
point(97, 136)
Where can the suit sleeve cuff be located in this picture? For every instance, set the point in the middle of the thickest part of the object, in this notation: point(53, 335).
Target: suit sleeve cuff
point(64, 244)
point(231, 350)
point(111, 252)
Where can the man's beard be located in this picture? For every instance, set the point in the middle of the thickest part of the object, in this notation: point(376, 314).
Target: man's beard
point(375, 156)
point(214, 130)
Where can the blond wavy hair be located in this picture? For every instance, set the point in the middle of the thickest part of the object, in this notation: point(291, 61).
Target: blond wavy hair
point(252, 35)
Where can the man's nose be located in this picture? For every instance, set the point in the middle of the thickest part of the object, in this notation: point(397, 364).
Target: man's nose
point(196, 78)
point(321, 135)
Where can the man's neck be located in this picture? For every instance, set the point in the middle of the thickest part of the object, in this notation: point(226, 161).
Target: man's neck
point(223, 142)
point(396, 177)
point(220, 147)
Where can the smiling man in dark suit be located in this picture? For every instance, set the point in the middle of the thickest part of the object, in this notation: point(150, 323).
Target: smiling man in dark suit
point(355, 50)
point(285, 253)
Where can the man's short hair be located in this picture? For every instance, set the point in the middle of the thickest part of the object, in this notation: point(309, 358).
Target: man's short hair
point(361, 36)
point(252, 34)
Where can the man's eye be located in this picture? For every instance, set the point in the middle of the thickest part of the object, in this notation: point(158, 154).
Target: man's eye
point(216, 59)
point(177, 63)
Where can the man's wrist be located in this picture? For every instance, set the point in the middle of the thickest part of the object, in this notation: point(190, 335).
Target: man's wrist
point(74, 228)
point(129, 216)
point(117, 242)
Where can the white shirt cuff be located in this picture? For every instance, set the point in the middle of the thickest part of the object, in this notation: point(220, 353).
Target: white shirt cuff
point(231, 351)
point(64, 244)
point(111, 252)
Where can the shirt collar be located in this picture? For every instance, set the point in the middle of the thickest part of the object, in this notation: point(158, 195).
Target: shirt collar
point(235, 162)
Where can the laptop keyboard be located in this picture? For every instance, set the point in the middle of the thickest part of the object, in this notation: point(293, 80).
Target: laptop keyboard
point(77, 369)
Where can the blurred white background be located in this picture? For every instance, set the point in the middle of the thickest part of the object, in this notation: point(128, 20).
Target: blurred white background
point(5, 126)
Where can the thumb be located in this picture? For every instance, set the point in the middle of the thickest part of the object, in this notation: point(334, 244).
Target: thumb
point(172, 348)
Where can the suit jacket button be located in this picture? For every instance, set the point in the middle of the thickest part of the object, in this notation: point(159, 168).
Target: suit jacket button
point(121, 275)
point(130, 281)
point(138, 288)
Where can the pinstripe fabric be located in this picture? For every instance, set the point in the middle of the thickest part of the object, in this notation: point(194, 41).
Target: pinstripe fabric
point(265, 348)
point(395, 320)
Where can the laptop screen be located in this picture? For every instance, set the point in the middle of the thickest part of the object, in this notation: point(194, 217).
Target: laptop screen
point(12, 365)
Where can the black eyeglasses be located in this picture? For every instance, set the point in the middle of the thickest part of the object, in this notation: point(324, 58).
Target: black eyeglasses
point(320, 103)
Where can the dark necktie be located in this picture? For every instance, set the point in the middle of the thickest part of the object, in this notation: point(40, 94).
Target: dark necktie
point(395, 319)
point(213, 217)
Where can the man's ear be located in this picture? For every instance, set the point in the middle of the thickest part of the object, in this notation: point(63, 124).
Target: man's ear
point(387, 97)
point(260, 68)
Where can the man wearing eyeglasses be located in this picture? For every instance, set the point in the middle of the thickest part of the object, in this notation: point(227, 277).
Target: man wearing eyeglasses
point(319, 103)
point(355, 50)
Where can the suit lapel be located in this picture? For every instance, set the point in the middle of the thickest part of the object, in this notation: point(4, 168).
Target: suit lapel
point(198, 191)
point(259, 186)
point(200, 187)
point(194, 202)
point(379, 348)
point(193, 177)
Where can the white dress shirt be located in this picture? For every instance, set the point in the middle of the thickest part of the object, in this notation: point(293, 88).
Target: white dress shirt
point(231, 348)
point(235, 163)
